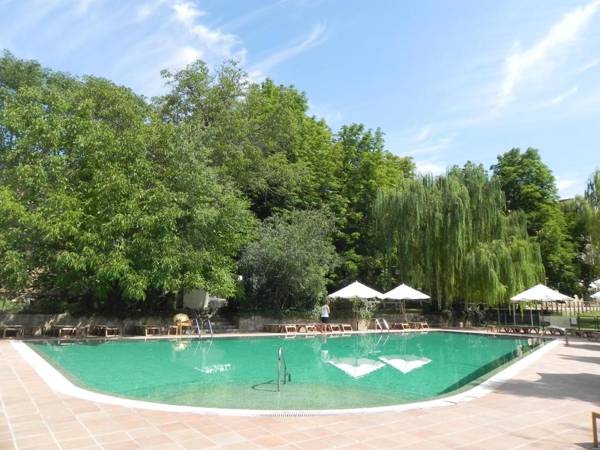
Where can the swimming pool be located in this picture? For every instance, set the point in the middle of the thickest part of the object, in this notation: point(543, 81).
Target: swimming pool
point(326, 372)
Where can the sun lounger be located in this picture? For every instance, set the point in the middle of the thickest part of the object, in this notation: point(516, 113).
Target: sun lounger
point(555, 331)
point(289, 328)
point(63, 330)
point(311, 328)
point(149, 330)
point(106, 331)
point(335, 328)
point(16, 330)
point(306, 328)
point(346, 327)
point(401, 326)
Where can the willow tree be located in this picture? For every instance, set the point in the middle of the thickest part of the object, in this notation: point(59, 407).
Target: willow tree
point(453, 237)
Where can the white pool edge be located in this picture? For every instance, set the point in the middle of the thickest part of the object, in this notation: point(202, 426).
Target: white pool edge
point(59, 383)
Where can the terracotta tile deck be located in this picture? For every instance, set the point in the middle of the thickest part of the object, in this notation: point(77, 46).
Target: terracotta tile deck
point(548, 405)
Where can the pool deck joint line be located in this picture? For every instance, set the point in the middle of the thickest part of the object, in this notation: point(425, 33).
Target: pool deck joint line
point(59, 383)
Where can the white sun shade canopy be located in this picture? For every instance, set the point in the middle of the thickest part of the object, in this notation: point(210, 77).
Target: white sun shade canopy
point(595, 285)
point(404, 292)
point(356, 290)
point(596, 296)
point(540, 293)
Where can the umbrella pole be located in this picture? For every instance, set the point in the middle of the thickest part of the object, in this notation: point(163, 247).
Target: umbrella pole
point(514, 315)
point(531, 315)
point(404, 309)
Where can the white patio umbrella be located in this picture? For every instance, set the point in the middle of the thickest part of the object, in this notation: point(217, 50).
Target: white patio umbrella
point(596, 296)
point(356, 290)
point(403, 293)
point(539, 294)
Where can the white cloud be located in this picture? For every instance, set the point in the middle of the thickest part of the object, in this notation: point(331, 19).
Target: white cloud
point(144, 11)
point(312, 39)
point(429, 168)
point(184, 56)
point(424, 134)
point(84, 5)
point(187, 13)
point(589, 66)
point(332, 116)
point(433, 145)
point(570, 187)
point(559, 98)
point(210, 41)
point(427, 140)
point(521, 63)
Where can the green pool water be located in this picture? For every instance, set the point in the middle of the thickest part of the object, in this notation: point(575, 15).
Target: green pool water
point(326, 372)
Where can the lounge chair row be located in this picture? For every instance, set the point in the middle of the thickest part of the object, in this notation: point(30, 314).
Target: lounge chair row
point(526, 329)
point(410, 326)
point(61, 331)
point(308, 328)
point(382, 324)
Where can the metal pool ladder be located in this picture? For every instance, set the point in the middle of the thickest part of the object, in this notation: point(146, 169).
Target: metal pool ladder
point(200, 322)
point(286, 375)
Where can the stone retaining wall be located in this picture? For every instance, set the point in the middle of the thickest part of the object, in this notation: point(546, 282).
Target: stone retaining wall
point(37, 324)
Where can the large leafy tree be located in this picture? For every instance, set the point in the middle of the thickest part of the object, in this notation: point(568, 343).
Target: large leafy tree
point(583, 223)
point(287, 267)
point(529, 186)
point(260, 136)
point(366, 168)
point(101, 198)
point(452, 237)
point(592, 191)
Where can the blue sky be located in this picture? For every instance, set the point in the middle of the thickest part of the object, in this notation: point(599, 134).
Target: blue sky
point(446, 81)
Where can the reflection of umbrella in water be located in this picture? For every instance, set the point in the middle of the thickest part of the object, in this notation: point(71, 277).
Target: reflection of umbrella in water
point(405, 363)
point(356, 367)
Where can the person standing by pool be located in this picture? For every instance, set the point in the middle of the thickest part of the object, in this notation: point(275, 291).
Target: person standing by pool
point(325, 316)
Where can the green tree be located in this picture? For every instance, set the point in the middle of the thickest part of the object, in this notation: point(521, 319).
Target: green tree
point(582, 216)
point(258, 136)
point(366, 168)
point(102, 198)
point(451, 236)
point(529, 186)
point(592, 191)
point(287, 267)
point(261, 138)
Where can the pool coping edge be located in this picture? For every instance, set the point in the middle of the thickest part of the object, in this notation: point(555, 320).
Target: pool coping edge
point(59, 383)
